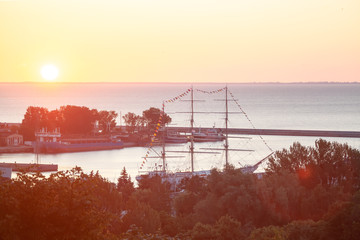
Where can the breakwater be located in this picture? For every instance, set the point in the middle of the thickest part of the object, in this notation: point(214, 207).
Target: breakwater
point(30, 167)
point(277, 132)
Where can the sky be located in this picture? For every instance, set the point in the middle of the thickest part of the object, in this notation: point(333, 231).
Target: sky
point(181, 40)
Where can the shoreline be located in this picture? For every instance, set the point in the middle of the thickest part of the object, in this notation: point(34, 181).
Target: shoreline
point(17, 149)
point(30, 149)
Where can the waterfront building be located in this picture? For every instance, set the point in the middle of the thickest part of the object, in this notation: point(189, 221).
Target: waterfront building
point(5, 172)
point(11, 139)
point(44, 136)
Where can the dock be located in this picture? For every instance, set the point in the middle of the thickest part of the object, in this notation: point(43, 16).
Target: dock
point(30, 167)
point(276, 132)
point(16, 149)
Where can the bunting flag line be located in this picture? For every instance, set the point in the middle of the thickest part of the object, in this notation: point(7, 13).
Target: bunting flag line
point(211, 92)
point(247, 117)
point(174, 99)
point(171, 100)
point(153, 136)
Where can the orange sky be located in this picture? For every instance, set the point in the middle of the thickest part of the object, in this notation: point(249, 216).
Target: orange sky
point(181, 40)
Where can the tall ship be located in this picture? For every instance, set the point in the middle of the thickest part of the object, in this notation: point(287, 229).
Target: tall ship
point(53, 142)
point(190, 136)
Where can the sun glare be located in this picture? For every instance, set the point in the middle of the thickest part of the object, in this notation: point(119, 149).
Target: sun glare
point(49, 72)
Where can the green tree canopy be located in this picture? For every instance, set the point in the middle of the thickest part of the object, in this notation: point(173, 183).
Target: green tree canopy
point(66, 205)
point(155, 192)
point(125, 185)
point(75, 119)
point(35, 118)
point(70, 119)
point(328, 163)
point(107, 120)
point(152, 115)
point(132, 121)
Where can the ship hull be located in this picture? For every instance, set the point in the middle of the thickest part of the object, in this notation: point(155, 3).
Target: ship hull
point(56, 147)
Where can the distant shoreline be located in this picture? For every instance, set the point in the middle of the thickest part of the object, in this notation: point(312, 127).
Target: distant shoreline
point(184, 83)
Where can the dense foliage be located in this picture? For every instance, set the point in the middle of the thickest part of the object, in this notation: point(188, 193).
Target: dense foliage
point(82, 120)
point(152, 115)
point(70, 119)
point(150, 118)
point(300, 197)
point(328, 164)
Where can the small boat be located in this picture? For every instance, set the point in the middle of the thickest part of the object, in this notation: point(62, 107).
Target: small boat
point(211, 135)
point(174, 137)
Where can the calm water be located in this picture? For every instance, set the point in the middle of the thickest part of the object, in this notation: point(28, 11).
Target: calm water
point(278, 106)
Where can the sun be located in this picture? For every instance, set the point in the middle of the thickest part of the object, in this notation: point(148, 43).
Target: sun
point(49, 72)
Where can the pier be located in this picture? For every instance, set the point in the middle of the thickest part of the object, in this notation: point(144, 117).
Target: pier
point(30, 167)
point(16, 149)
point(276, 132)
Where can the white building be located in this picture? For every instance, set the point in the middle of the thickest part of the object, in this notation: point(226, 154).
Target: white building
point(44, 136)
point(5, 172)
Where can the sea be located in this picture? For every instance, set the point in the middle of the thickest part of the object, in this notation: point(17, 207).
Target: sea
point(299, 106)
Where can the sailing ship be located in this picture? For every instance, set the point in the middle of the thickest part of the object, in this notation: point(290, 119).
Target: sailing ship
point(195, 135)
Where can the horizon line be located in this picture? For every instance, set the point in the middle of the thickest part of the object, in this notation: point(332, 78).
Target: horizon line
point(60, 82)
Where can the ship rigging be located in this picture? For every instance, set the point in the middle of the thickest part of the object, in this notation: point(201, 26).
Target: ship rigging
point(192, 136)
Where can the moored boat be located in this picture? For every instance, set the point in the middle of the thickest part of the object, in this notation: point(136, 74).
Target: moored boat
point(173, 137)
point(51, 142)
point(209, 136)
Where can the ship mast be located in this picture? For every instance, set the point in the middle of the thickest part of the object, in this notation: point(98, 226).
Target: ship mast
point(226, 146)
point(192, 148)
point(37, 138)
point(37, 150)
point(163, 156)
point(191, 129)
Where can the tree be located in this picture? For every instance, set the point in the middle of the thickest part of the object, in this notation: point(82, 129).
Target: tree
point(297, 157)
point(268, 233)
point(125, 185)
point(169, 224)
point(14, 129)
point(54, 119)
point(35, 118)
point(299, 230)
point(132, 121)
point(152, 116)
point(345, 224)
point(66, 205)
point(230, 193)
point(337, 165)
point(141, 215)
point(194, 184)
point(229, 228)
point(155, 192)
point(107, 120)
point(193, 190)
point(77, 120)
point(136, 233)
point(225, 228)
point(281, 195)
point(328, 163)
point(184, 203)
point(204, 231)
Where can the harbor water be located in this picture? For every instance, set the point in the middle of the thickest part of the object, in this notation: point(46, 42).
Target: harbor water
point(266, 106)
